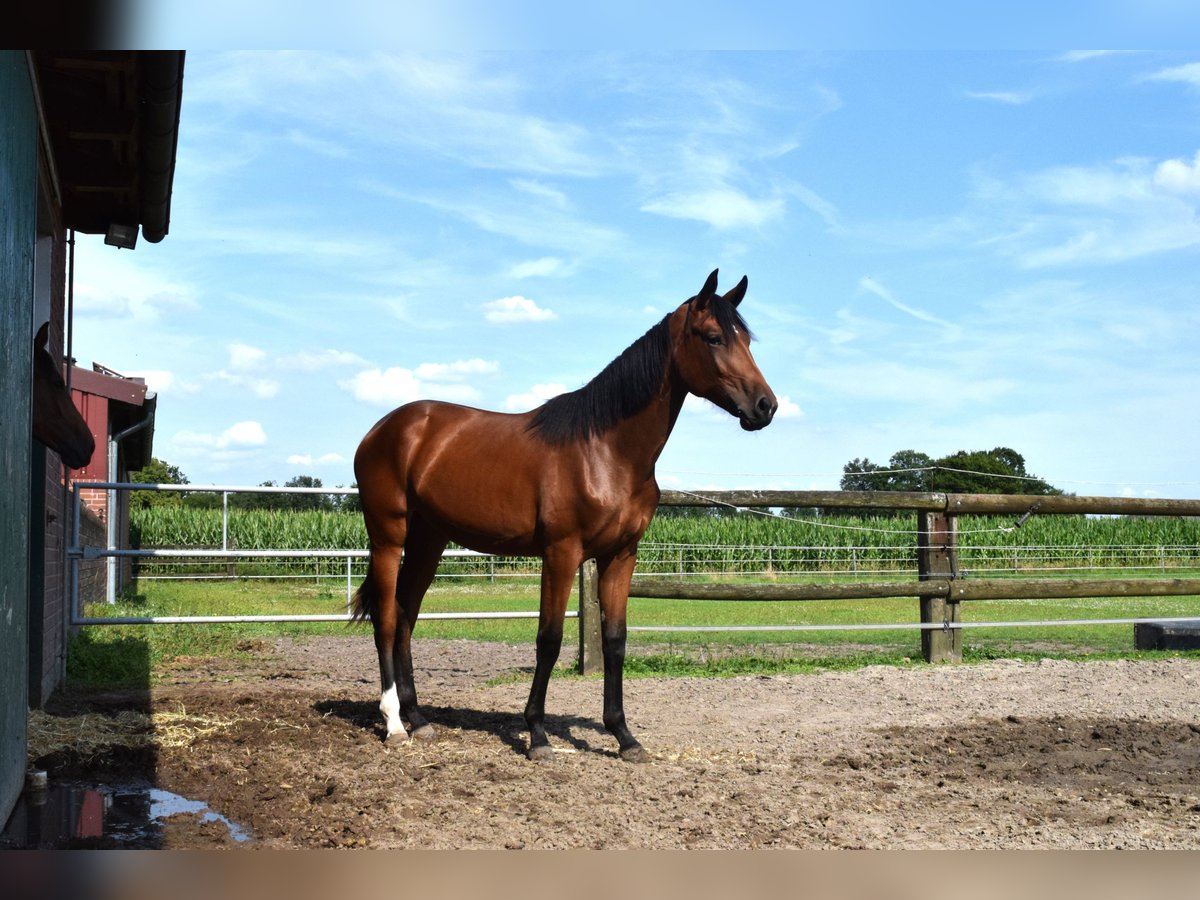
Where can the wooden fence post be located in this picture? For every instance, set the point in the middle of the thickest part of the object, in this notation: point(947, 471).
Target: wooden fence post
point(937, 557)
point(591, 655)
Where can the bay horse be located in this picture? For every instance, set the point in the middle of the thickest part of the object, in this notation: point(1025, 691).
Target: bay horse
point(56, 421)
point(569, 481)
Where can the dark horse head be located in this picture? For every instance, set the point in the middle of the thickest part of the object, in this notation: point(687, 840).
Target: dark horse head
point(56, 421)
point(712, 355)
point(702, 348)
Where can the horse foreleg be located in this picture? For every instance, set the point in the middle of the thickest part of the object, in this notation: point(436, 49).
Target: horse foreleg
point(615, 575)
point(558, 577)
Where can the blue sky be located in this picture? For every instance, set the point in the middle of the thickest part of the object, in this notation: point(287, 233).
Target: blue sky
point(945, 251)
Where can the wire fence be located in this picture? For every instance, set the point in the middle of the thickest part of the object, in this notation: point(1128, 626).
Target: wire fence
point(883, 550)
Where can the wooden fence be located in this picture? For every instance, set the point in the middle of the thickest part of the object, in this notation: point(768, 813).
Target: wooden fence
point(939, 588)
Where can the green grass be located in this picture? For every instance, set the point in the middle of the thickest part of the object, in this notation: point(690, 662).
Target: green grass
point(744, 541)
point(131, 655)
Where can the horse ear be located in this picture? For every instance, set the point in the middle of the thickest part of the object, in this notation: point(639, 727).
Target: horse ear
point(43, 335)
point(739, 291)
point(707, 292)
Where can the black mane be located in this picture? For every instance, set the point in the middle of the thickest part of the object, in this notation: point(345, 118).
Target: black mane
point(624, 388)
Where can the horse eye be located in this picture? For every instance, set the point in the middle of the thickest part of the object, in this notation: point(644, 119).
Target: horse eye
point(713, 340)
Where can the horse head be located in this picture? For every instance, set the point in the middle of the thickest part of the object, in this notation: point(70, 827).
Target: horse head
point(711, 346)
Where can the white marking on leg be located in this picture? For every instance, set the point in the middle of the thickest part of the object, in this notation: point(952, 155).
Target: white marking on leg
point(389, 705)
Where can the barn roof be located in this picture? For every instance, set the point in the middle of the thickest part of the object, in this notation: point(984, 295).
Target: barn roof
point(112, 121)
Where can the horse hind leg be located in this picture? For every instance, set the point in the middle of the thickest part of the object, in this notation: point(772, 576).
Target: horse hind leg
point(422, 554)
point(377, 599)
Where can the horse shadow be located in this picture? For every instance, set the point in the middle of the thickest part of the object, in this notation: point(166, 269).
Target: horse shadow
point(583, 734)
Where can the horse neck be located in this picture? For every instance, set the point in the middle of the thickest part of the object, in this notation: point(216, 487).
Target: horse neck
point(639, 439)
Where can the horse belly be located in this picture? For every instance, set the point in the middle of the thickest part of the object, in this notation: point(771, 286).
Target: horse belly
point(482, 497)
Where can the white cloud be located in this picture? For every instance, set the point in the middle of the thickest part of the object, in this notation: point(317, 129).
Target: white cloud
point(1072, 215)
point(516, 309)
point(529, 223)
point(319, 360)
point(1179, 176)
point(723, 208)
point(874, 287)
point(788, 409)
point(111, 284)
point(536, 189)
point(1009, 98)
point(1188, 74)
point(159, 380)
point(236, 436)
point(1078, 56)
point(534, 397)
point(243, 356)
point(903, 384)
point(537, 268)
point(307, 459)
point(458, 109)
point(455, 371)
point(440, 381)
point(262, 388)
point(317, 145)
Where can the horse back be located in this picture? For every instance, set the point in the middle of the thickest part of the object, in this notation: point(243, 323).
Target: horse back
point(488, 482)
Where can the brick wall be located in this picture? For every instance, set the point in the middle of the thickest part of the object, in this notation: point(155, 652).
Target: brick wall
point(48, 659)
point(93, 573)
point(97, 501)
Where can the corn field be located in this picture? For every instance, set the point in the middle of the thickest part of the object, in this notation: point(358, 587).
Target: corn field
point(741, 543)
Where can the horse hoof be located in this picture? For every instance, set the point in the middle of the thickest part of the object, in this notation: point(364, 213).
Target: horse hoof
point(635, 754)
point(396, 738)
point(540, 753)
point(424, 733)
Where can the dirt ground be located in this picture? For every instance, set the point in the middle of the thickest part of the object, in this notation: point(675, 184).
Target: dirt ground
point(1005, 754)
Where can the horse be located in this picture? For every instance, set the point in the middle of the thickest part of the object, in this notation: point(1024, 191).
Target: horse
point(569, 481)
point(56, 421)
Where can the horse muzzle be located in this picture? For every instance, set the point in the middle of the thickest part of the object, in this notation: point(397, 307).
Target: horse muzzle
point(761, 415)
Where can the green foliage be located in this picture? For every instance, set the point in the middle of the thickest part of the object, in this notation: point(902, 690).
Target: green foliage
point(157, 472)
point(997, 471)
point(287, 501)
point(101, 658)
point(737, 542)
point(132, 655)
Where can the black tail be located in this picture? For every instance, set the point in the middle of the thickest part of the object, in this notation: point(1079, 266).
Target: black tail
point(366, 600)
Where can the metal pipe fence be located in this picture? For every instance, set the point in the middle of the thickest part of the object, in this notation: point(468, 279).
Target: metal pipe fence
point(673, 570)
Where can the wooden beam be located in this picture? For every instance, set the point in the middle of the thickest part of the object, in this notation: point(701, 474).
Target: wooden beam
point(954, 504)
point(937, 561)
point(591, 652)
point(961, 590)
point(807, 499)
point(688, 590)
point(1060, 588)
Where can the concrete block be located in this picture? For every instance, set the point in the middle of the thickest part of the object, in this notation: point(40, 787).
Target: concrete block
point(1167, 635)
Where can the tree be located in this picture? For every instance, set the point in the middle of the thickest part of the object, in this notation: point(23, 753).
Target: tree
point(351, 503)
point(306, 501)
point(157, 472)
point(285, 501)
point(997, 471)
point(905, 471)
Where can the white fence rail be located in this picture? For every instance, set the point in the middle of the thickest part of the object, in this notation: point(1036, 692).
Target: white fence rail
point(1060, 560)
point(78, 553)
